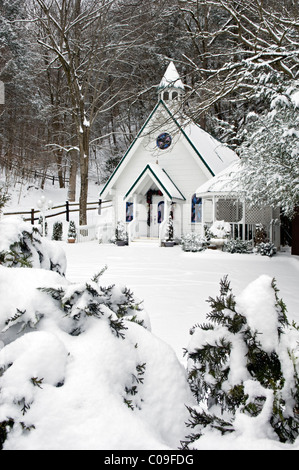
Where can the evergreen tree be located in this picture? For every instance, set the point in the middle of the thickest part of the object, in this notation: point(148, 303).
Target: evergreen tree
point(233, 371)
point(4, 197)
point(72, 232)
point(169, 229)
point(23, 121)
point(57, 231)
point(121, 232)
point(269, 151)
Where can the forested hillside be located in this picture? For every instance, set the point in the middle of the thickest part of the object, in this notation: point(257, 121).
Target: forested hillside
point(80, 78)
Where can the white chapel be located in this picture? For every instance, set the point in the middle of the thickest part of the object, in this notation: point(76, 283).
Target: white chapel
point(159, 175)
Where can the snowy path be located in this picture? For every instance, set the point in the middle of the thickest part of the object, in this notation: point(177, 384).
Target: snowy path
point(175, 285)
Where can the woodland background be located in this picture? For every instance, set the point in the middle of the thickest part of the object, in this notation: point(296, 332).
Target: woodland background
point(81, 77)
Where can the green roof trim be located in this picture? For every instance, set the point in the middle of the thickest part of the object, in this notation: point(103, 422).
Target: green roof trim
point(160, 102)
point(185, 135)
point(148, 167)
point(183, 197)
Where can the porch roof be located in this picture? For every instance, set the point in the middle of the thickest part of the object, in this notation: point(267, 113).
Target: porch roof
point(225, 183)
point(153, 173)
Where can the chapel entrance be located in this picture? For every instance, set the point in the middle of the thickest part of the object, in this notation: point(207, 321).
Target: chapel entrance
point(156, 216)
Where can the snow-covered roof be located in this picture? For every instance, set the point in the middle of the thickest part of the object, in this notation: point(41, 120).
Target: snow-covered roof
point(171, 78)
point(158, 175)
point(216, 155)
point(226, 181)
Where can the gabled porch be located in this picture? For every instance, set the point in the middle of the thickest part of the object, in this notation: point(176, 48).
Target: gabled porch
point(151, 199)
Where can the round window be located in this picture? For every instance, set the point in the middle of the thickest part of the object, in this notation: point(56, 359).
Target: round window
point(164, 141)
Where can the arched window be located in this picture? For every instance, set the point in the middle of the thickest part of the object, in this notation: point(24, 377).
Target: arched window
point(129, 211)
point(196, 209)
point(160, 212)
point(165, 96)
point(174, 95)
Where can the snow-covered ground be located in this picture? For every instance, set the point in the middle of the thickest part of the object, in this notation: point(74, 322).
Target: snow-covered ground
point(174, 287)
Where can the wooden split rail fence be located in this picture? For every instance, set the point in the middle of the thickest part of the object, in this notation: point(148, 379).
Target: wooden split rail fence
point(68, 207)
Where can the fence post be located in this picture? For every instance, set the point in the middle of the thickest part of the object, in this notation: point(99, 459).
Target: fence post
point(100, 207)
point(67, 207)
point(32, 216)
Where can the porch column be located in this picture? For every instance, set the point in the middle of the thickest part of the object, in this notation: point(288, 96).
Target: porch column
point(214, 209)
point(244, 220)
point(135, 214)
point(165, 221)
point(135, 207)
point(166, 210)
point(202, 217)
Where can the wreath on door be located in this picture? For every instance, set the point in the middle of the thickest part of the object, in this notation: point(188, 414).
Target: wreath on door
point(149, 200)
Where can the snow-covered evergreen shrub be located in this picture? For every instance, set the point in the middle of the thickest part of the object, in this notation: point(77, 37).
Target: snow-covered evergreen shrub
point(21, 245)
point(260, 234)
point(121, 234)
point(220, 229)
point(169, 230)
point(243, 366)
point(80, 369)
point(238, 246)
point(269, 146)
point(193, 242)
point(266, 249)
point(72, 231)
point(57, 231)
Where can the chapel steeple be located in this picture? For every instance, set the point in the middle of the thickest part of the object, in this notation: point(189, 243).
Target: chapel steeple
point(171, 87)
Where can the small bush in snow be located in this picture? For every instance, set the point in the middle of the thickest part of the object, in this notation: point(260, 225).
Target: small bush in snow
point(120, 233)
point(266, 249)
point(238, 246)
point(21, 245)
point(193, 242)
point(72, 231)
point(243, 367)
point(260, 235)
point(220, 229)
point(169, 230)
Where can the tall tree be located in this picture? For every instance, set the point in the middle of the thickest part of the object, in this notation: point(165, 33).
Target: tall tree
point(227, 36)
point(76, 33)
point(269, 150)
point(23, 132)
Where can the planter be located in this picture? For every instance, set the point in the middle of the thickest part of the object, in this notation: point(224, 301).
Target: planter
point(212, 247)
point(218, 242)
point(121, 243)
point(71, 240)
point(167, 244)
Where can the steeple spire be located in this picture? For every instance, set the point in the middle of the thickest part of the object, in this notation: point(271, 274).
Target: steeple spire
point(171, 86)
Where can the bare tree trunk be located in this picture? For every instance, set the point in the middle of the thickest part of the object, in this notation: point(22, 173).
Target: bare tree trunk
point(84, 165)
point(73, 176)
point(58, 157)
